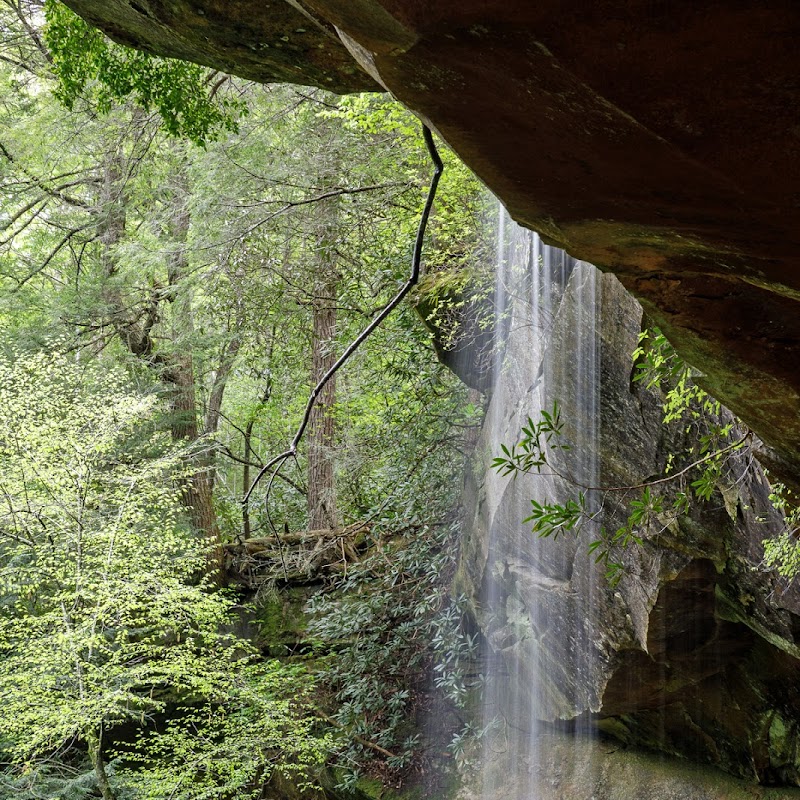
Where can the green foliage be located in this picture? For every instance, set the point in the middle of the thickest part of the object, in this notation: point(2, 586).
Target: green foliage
point(531, 452)
point(388, 624)
point(782, 552)
point(84, 59)
point(657, 365)
point(551, 519)
point(393, 398)
point(455, 230)
point(448, 299)
point(230, 747)
point(659, 501)
point(241, 301)
point(84, 484)
point(51, 781)
point(102, 618)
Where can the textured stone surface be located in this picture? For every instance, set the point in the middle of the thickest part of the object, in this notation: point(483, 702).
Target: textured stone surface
point(602, 770)
point(661, 142)
point(457, 307)
point(695, 652)
point(268, 42)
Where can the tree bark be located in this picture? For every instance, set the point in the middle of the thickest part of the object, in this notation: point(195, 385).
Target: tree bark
point(112, 210)
point(198, 489)
point(95, 746)
point(198, 493)
point(322, 511)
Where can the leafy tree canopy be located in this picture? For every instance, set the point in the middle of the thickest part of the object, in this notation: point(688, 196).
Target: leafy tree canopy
point(103, 621)
point(196, 271)
point(88, 63)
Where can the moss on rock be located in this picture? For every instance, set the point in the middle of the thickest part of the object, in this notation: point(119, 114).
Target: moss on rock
point(457, 307)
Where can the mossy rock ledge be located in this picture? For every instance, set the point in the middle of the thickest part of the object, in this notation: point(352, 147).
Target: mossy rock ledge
point(456, 306)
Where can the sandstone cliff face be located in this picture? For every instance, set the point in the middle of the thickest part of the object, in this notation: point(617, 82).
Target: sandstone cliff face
point(660, 142)
point(696, 651)
point(266, 42)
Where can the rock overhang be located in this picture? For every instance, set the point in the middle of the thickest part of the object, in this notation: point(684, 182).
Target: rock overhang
point(660, 142)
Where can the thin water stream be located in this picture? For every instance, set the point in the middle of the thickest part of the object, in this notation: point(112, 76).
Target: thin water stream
point(538, 595)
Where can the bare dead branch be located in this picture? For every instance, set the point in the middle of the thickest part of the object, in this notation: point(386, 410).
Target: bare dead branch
point(277, 463)
point(337, 192)
point(218, 85)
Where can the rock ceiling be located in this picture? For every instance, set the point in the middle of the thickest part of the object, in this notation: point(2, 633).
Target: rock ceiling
point(661, 141)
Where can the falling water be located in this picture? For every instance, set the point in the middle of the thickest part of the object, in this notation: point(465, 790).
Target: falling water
point(538, 593)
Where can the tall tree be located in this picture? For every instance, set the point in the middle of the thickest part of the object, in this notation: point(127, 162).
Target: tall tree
point(322, 510)
point(134, 312)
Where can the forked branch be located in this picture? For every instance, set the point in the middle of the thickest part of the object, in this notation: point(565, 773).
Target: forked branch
point(277, 463)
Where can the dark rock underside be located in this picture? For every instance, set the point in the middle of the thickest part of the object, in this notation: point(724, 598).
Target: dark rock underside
point(263, 41)
point(659, 141)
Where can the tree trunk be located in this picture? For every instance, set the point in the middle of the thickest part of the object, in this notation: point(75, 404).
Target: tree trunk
point(179, 374)
point(113, 211)
point(135, 327)
point(197, 492)
point(95, 746)
point(322, 512)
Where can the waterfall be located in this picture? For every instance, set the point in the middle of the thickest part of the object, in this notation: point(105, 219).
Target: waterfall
point(538, 593)
point(672, 657)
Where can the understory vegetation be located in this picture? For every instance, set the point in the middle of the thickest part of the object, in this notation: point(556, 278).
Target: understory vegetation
point(183, 256)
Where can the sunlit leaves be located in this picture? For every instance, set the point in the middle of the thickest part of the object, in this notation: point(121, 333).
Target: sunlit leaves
point(86, 484)
point(182, 93)
point(657, 365)
point(103, 619)
point(532, 451)
point(782, 552)
point(231, 746)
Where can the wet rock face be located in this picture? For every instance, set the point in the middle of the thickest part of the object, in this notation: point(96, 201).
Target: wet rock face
point(696, 652)
point(660, 142)
point(602, 770)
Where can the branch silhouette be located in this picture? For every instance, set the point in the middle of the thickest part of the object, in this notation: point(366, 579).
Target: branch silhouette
point(276, 464)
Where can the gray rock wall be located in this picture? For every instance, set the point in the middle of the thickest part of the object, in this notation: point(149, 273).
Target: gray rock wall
point(695, 651)
point(570, 769)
